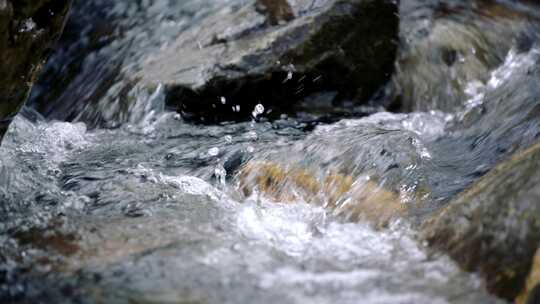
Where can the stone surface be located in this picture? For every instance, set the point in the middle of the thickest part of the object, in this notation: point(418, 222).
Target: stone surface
point(28, 30)
point(342, 195)
point(277, 11)
point(531, 293)
point(257, 53)
point(202, 49)
point(90, 76)
point(494, 227)
point(449, 48)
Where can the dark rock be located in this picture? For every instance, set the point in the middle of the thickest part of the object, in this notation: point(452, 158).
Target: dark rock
point(531, 292)
point(494, 227)
point(204, 50)
point(238, 58)
point(28, 30)
point(90, 77)
point(534, 296)
point(277, 10)
point(82, 69)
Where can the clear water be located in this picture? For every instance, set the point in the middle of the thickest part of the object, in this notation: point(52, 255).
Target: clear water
point(143, 221)
point(152, 211)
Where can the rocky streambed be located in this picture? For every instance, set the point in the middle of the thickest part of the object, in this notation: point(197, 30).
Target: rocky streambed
point(329, 151)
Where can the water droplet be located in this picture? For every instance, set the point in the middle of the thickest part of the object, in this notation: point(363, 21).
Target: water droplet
point(259, 109)
point(213, 151)
point(289, 76)
point(220, 173)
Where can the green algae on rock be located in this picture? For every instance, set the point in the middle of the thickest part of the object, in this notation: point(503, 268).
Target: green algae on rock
point(494, 227)
point(221, 69)
point(27, 31)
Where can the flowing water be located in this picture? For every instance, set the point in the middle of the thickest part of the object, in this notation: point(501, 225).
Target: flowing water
point(153, 209)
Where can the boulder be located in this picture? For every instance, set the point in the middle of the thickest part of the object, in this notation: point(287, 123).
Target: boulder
point(449, 49)
point(276, 53)
point(249, 52)
point(494, 227)
point(28, 29)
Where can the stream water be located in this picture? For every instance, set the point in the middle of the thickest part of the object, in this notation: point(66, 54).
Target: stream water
point(151, 209)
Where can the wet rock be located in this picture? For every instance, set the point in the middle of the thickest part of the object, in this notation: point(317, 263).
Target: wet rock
point(205, 50)
point(87, 78)
point(257, 53)
point(342, 195)
point(531, 293)
point(28, 30)
point(52, 240)
point(494, 227)
point(450, 47)
point(277, 11)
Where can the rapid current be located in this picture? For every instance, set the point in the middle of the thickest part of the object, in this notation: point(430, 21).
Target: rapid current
point(152, 209)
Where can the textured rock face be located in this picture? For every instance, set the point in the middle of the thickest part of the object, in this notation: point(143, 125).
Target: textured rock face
point(201, 49)
point(494, 227)
point(27, 31)
point(276, 54)
point(443, 57)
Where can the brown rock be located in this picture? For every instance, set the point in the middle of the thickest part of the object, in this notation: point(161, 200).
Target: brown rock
point(277, 10)
point(494, 227)
point(342, 195)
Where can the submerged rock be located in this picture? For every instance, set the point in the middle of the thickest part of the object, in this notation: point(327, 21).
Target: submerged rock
point(342, 195)
point(494, 227)
point(28, 30)
point(531, 293)
point(275, 54)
